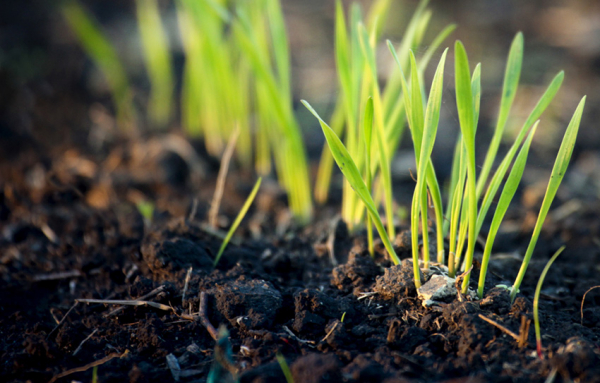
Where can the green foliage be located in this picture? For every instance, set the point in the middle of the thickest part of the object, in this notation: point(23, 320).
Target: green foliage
point(358, 78)
point(284, 368)
point(558, 172)
point(238, 220)
point(104, 55)
point(158, 61)
point(350, 171)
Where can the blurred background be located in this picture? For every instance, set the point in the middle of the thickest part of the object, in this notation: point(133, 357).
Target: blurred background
point(52, 96)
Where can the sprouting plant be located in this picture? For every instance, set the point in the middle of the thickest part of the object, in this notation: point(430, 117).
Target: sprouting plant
point(558, 172)
point(423, 125)
point(238, 220)
point(104, 55)
point(284, 368)
point(536, 302)
point(352, 174)
point(158, 61)
point(465, 214)
point(357, 72)
point(146, 209)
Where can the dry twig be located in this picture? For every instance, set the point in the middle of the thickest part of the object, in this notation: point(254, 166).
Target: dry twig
point(152, 293)
point(204, 319)
point(583, 300)
point(89, 365)
point(83, 341)
point(61, 321)
point(216, 201)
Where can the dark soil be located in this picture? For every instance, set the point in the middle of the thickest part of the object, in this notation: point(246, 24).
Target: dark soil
point(70, 230)
point(276, 293)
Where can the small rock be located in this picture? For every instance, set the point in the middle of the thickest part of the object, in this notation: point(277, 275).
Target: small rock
point(440, 288)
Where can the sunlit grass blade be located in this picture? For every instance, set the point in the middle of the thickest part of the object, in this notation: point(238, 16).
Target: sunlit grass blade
point(466, 114)
point(103, 54)
point(498, 177)
point(158, 61)
point(238, 220)
point(536, 302)
point(367, 133)
point(509, 90)
point(434, 45)
point(510, 188)
point(352, 174)
point(432, 116)
point(323, 180)
point(558, 172)
point(290, 155)
point(384, 163)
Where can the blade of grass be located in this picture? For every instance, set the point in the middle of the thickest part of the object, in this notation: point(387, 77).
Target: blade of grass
point(558, 172)
point(367, 132)
point(384, 162)
point(536, 302)
point(158, 61)
point(466, 114)
point(103, 54)
point(498, 177)
point(510, 188)
point(238, 220)
point(432, 116)
point(509, 90)
point(285, 368)
point(352, 174)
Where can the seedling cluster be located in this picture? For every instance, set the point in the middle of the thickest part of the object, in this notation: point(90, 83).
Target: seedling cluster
point(237, 76)
point(470, 194)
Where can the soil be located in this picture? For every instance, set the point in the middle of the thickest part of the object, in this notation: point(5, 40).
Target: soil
point(70, 231)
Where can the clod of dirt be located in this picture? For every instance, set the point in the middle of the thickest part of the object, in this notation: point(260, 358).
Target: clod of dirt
point(316, 368)
point(358, 273)
point(397, 281)
point(405, 338)
point(249, 304)
point(166, 258)
point(440, 288)
point(497, 300)
point(577, 361)
point(314, 309)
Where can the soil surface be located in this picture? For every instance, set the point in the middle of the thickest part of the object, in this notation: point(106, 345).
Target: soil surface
point(313, 295)
point(87, 281)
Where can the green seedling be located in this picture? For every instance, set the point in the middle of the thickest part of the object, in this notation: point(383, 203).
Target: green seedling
point(352, 174)
point(464, 215)
point(536, 302)
point(105, 57)
point(146, 209)
point(284, 368)
point(558, 172)
point(238, 220)
point(158, 61)
point(508, 193)
point(358, 78)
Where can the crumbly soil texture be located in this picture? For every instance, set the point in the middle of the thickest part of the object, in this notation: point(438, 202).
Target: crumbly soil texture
point(90, 286)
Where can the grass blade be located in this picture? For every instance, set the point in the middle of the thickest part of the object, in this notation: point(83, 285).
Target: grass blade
point(536, 302)
point(466, 114)
point(510, 188)
point(558, 172)
point(509, 90)
point(102, 52)
point(158, 61)
point(352, 174)
point(432, 116)
point(238, 220)
point(367, 133)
